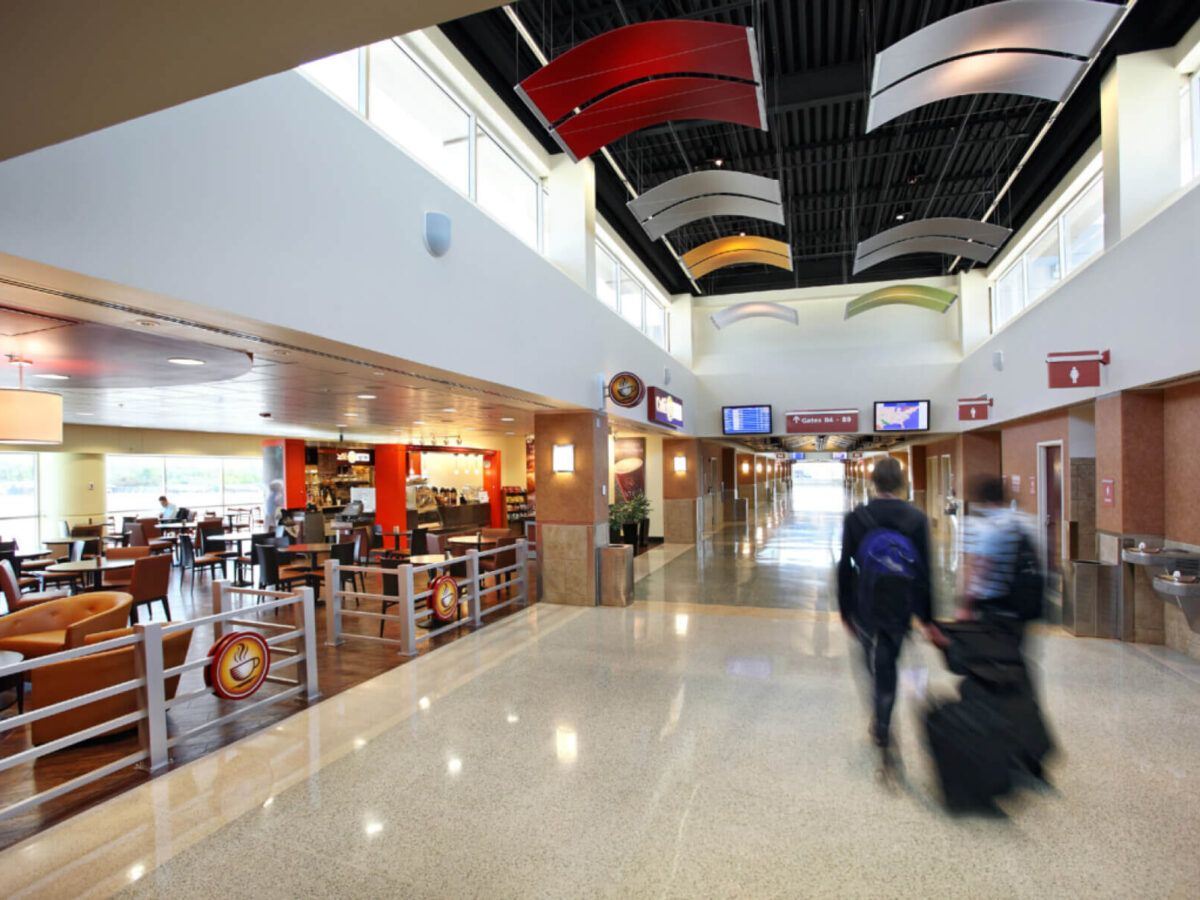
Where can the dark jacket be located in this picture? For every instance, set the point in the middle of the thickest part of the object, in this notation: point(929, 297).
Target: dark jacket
point(904, 518)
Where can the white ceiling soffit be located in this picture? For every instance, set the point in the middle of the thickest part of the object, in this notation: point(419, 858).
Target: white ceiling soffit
point(935, 244)
point(754, 309)
point(1027, 74)
point(941, 226)
point(1074, 27)
point(713, 205)
point(698, 184)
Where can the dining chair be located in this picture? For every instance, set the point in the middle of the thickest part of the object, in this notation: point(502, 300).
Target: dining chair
point(271, 576)
point(11, 587)
point(58, 579)
point(151, 583)
point(390, 585)
point(190, 562)
point(120, 578)
point(489, 564)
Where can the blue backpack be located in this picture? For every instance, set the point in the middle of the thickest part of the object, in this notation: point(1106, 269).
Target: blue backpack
point(888, 566)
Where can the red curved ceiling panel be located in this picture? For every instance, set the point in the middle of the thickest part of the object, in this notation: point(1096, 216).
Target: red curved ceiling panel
point(653, 102)
point(634, 52)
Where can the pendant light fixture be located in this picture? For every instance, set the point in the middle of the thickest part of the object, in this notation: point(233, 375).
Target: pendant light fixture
point(29, 417)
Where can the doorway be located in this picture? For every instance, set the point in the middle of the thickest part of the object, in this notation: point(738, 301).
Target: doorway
point(1051, 503)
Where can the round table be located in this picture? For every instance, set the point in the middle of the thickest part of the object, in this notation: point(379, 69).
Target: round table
point(238, 538)
point(172, 526)
point(90, 567)
point(22, 555)
point(15, 681)
point(472, 540)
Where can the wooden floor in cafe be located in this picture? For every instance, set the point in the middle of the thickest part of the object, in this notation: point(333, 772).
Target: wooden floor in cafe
point(339, 668)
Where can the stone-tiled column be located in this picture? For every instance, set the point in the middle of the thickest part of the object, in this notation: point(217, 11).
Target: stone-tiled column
point(572, 508)
point(681, 489)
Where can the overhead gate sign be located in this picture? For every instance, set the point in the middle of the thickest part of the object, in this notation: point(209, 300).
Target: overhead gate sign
point(822, 421)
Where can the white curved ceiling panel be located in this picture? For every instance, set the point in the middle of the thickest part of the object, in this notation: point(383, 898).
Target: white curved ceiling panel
point(949, 246)
point(942, 226)
point(1057, 26)
point(1027, 74)
point(754, 309)
point(711, 205)
point(697, 184)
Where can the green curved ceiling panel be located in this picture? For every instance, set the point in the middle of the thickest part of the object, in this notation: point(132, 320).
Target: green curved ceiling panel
point(930, 298)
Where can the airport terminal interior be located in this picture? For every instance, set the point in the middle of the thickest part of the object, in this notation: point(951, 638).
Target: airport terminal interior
point(474, 449)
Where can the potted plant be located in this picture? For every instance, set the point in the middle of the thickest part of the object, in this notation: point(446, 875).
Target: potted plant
point(634, 511)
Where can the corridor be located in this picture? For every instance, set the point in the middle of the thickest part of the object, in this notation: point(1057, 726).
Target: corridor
point(707, 742)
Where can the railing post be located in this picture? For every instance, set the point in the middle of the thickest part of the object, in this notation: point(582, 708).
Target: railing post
point(523, 569)
point(408, 615)
point(152, 698)
point(474, 613)
point(221, 602)
point(308, 675)
point(333, 604)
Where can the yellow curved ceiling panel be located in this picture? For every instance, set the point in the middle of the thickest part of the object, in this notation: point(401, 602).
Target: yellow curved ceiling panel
point(737, 250)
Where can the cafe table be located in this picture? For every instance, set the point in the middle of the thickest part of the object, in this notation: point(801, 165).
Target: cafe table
point(237, 538)
point(91, 569)
point(17, 681)
point(311, 551)
point(469, 541)
point(22, 555)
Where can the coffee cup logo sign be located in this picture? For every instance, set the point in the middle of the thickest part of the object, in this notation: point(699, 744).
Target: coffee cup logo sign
point(443, 598)
point(355, 456)
point(664, 409)
point(238, 665)
point(626, 389)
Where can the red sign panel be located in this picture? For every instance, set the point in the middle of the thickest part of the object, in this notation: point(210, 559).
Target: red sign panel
point(664, 409)
point(1108, 491)
point(974, 409)
point(1078, 369)
point(822, 421)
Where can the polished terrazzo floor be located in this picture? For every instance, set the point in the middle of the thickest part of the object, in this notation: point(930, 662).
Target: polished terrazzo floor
point(704, 748)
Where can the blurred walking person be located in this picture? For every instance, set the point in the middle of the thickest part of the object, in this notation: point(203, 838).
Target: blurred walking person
point(883, 581)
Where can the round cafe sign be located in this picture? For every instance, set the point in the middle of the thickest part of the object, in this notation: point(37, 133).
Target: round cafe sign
point(626, 389)
point(443, 598)
point(237, 665)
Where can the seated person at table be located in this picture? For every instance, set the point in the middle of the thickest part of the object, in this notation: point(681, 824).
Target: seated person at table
point(168, 510)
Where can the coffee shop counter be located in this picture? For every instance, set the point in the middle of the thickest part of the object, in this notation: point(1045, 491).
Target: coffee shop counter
point(464, 517)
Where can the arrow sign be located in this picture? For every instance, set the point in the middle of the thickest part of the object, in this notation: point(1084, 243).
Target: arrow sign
point(1077, 369)
point(974, 409)
point(822, 421)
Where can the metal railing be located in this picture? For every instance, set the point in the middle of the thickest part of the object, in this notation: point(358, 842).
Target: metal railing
point(407, 597)
point(149, 685)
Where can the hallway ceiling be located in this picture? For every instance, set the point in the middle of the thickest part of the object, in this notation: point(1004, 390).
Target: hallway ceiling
point(840, 186)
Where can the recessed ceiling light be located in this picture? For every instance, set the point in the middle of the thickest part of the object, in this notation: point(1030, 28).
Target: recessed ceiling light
point(377, 373)
point(84, 414)
point(507, 419)
point(510, 433)
point(52, 376)
point(449, 409)
point(418, 422)
point(470, 429)
point(185, 361)
point(350, 415)
point(366, 396)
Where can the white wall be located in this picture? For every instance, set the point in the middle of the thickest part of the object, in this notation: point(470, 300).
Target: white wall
point(1137, 299)
point(274, 201)
point(890, 353)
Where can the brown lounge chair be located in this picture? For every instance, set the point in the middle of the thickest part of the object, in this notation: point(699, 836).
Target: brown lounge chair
point(74, 677)
point(63, 624)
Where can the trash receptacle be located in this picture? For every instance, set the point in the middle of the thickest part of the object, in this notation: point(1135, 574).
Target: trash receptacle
point(616, 575)
point(1090, 598)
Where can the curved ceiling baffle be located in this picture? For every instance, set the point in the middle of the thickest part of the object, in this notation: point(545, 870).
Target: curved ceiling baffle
point(754, 309)
point(646, 74)
point(955, 237)
point(737, 250)
point(1036, 48)
point(699, 195)
point(930, 298)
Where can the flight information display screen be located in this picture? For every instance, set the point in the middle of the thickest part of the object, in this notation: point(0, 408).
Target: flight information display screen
point(902, 415)
point(746, 419)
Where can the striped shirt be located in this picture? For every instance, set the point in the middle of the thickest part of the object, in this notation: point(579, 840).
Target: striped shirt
point(991, 540)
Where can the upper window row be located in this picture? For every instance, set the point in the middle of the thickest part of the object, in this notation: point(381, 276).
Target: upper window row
point(1189, 128)
point(387, 86)
point(1070, 240)
point(620, 290)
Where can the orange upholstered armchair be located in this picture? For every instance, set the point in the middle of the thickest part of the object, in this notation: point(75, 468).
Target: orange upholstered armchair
point(63, 624)
point(64, 680)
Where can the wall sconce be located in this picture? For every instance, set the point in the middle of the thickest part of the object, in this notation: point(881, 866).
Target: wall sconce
point(680, 465)
point(745, 468)
point(564, 458)
point(758, 468)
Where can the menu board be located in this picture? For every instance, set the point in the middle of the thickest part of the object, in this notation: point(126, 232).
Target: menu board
point(746, 419)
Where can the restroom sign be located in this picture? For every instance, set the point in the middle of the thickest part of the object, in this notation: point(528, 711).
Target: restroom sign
point(822, 421)
point(1076, 370)
point(974, 409)
point(1108, 491)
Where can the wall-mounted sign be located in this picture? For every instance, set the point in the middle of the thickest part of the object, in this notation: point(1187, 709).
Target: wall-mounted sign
point(1033, 484)
point(837, 456)
point(237, 665)
point(664, 409)
point(626, 389)
point(857, 454)
point(1078, 369)
point(443, 598)
point(822, 421)
point(974, 409)
point(356, 457)
point(797, 455)
point(1016, 484)
point(1108, 491)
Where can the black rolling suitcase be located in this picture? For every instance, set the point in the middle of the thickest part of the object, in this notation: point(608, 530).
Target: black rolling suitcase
point(972, 765)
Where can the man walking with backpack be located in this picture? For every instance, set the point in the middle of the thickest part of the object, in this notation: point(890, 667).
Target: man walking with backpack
point(883, 581)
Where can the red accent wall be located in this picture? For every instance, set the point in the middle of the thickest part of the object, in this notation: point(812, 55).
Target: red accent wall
point(491, 484)
point(295, 494)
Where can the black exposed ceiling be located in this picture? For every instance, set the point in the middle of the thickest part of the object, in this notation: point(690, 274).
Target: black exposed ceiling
point(839, 185)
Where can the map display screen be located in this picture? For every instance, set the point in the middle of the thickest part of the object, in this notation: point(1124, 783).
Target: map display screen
point(746, 419)
point(901, 415)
